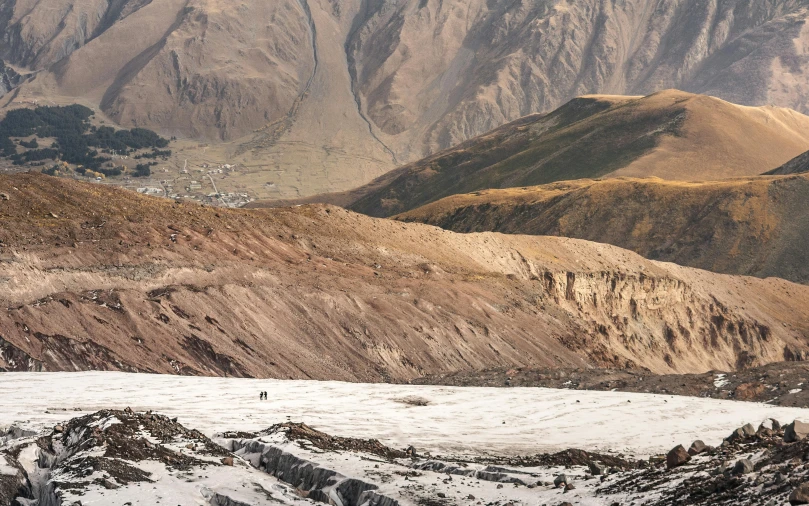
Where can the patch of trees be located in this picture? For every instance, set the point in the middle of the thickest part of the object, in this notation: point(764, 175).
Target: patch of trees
point(77, 141)
point(143, 169)
point(155, 153)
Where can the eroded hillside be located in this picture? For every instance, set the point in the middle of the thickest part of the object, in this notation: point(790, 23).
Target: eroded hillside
point(753, 226)
point(98, 278)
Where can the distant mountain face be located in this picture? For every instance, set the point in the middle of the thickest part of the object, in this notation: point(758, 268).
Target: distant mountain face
point(400, 78)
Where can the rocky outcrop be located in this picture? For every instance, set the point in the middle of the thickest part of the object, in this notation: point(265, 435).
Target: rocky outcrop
point(312, 480)
point(14, 483)
point(9, 78)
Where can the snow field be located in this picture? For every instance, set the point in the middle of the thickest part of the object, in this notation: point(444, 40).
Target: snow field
point(456, 421)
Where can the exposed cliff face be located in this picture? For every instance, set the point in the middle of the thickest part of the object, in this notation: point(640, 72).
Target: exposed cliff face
point(9, 78)
point(658, 317)
point(343, 91)
point(37, 37)
point(94, 278)
point(751, 226)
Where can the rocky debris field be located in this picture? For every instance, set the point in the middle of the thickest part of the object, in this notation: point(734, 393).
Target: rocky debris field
point(124, 457)
point(781, 384)
point(128, 457)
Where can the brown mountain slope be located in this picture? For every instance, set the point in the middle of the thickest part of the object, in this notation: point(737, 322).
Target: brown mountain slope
point(320, 95)
point(798, 165)
point(94, 277)
point(754, 226)
point(671, 134)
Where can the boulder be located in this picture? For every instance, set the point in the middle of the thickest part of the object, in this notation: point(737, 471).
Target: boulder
point(776, 425)
point(748, 391)
point(560, 480)
point(677, 457)
point(697, 447)
point(796, 431)
point(741, 433)
point(595, 468)
point(744, 466)
point(736, 435)
point(800, 495)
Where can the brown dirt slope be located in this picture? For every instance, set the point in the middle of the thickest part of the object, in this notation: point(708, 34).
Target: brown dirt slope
point(97, 278)
point(753, 226)
point(671, 134)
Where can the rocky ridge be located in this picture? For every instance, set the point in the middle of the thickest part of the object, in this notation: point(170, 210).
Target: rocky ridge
point(779, 384)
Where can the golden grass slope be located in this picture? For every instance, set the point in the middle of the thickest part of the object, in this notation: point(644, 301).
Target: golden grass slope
point(671, 134)
point(755, 226)
point(719, 139)
point(97, 278)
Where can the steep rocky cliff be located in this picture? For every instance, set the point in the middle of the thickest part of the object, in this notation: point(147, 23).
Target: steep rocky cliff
point(97, 278)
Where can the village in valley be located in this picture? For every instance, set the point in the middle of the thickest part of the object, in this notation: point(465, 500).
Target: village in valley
point(69, 141)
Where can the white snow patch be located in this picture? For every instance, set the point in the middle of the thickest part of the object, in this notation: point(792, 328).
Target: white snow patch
point(721, 381)
point(105, 423)
point(6, 469)
point(796, 390)
point(458, 420)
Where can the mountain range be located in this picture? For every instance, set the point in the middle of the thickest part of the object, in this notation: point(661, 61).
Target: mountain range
point(328, 95)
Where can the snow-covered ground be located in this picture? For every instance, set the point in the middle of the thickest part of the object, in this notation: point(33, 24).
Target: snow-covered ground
point(481, 421)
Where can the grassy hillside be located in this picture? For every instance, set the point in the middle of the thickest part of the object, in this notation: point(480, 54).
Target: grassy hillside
point(755, 226)
point(671, 134)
